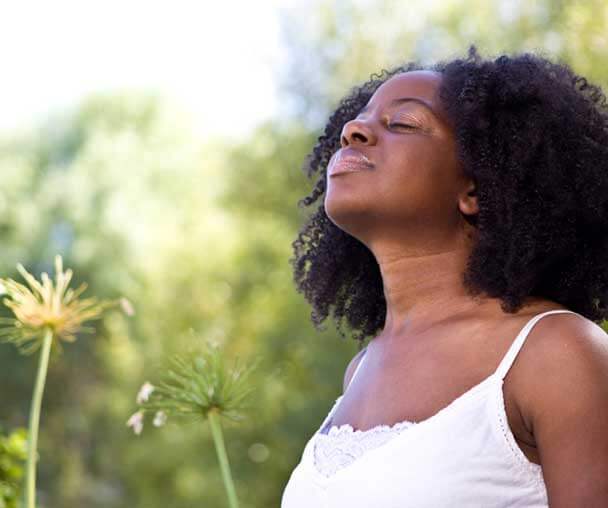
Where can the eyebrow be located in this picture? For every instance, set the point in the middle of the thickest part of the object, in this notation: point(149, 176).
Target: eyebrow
point(401, 100)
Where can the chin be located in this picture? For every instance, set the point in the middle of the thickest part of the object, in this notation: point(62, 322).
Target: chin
point(347, 216)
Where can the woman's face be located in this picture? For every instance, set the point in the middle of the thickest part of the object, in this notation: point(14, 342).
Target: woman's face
point(412, 190)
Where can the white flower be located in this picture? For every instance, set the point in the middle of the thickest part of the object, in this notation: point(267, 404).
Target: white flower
point(136, 421)
point(159, 419)
point(144, 392)
point(126, 306)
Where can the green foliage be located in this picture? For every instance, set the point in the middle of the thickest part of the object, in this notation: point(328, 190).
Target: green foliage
point(197, 235)
point(13, 451)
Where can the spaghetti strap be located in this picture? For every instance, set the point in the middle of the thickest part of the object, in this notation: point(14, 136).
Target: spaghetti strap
point(509, 357)
point(357, 369)
point(329, 417)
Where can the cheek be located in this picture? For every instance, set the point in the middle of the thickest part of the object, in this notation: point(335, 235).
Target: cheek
point(421, 169)
point(423, 177)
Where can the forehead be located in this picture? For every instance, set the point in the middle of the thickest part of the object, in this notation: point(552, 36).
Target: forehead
point(418, 84)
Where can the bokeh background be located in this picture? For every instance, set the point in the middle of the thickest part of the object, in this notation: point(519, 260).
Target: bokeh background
point(158, 147)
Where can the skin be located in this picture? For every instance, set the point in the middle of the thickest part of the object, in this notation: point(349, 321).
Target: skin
point(438, 341)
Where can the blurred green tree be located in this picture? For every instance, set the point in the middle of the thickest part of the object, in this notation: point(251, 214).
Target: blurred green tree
point(198, 236)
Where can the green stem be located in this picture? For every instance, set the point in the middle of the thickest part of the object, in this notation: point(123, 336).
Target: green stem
point(30, 478)
point(216, 431)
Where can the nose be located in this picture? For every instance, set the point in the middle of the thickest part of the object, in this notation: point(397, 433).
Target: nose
point(357, 131)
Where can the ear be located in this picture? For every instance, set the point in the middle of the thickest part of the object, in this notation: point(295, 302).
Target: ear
point(467, 201)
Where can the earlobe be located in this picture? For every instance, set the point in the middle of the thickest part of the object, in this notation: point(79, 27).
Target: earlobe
point(468, 204)
point(468, 208)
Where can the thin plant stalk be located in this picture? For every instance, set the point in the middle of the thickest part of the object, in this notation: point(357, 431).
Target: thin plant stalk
point(216, 432)
point(30, 488)
point(46, 313)
point(203, 387)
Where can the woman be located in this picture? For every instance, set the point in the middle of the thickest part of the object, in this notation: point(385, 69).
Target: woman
point(464, 226)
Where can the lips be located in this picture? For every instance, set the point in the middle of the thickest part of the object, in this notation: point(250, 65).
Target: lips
point(349, 160)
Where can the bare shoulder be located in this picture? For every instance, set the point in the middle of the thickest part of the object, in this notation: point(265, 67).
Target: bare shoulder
point(566, 407)
point(565, 343)
point(352, 365)
point(558, 346)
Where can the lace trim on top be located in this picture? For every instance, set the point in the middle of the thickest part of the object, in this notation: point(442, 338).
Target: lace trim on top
point(342, 445)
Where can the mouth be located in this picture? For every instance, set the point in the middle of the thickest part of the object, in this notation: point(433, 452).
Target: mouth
point(349, 161)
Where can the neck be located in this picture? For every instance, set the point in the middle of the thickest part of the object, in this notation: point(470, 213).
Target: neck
point(425, 289)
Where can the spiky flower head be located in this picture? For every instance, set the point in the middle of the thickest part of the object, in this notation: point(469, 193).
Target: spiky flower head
point(198, 383)
point(47, 305)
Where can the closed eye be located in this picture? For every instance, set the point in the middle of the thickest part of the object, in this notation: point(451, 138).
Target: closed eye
point(404, 125)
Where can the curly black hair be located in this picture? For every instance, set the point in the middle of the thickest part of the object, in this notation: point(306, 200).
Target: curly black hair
point(533, 137)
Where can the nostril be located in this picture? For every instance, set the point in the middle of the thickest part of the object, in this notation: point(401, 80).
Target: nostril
point(360, 136)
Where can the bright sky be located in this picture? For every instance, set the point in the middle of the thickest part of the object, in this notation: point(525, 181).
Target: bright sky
point(216, 58)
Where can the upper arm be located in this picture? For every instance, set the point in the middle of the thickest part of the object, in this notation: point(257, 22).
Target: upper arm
point(568, 412)
point(350, 369)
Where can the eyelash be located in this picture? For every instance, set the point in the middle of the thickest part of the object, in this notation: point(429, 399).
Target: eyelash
point(407, 126)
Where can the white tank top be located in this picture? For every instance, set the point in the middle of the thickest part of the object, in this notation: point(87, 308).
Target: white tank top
point(465, 455)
